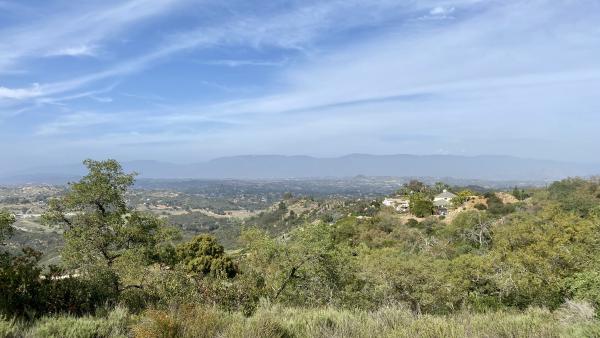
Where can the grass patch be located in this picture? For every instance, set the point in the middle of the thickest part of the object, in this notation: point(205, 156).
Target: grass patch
point(276, 321)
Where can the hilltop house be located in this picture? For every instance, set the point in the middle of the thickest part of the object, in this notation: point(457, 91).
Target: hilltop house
point(443, 202)
point(399, 204)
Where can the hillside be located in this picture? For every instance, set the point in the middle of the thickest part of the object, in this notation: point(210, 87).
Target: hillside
point(526, 261)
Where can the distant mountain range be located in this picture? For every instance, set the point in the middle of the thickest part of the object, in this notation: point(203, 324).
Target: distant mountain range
point(491, 168)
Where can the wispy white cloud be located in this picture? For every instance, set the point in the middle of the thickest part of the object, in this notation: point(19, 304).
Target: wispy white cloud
point(499, 74)
point(73, 123)
point(463, 56)
point(74, 31)
point(85, 94)
point(495, 64)
point(102, 99)
point(298, 29)
point(81, 50)
point(440, 12)
point(242, 63)
point(21, 93)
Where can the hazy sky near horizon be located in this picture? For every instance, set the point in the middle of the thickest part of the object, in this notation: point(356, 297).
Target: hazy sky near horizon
point(190, 80)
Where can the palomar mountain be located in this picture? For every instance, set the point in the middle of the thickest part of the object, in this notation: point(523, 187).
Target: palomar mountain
point(492, 168)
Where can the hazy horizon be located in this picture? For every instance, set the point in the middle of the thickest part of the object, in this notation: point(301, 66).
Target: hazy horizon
point(250, 167)
point(79, 163)
point(186, 81)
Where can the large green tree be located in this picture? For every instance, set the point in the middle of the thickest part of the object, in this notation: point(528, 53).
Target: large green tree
point(104, 237)
point(6, 221)
point(421, 205)
point(305, 268)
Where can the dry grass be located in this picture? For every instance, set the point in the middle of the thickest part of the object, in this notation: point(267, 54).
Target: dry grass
point(397, 321)
point(574, 319)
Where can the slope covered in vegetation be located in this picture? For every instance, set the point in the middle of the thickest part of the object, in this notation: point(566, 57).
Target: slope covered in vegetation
point(531, 268)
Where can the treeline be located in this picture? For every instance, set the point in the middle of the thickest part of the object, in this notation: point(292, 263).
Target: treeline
point(540, 252)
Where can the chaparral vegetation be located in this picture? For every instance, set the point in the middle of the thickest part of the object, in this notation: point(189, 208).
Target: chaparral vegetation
point(520, 263)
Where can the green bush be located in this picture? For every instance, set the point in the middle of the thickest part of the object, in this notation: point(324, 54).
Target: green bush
point(78, 295)
point(495, 206)
point(412, 223)
point(203, 255)
point(20, 284)
point(480, 206)
point(421, 205)
point(585, 285)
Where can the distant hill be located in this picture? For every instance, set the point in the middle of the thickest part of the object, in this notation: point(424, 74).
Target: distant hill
point(491, 168)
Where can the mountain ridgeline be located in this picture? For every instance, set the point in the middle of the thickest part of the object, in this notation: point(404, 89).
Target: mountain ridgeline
point(494, 168)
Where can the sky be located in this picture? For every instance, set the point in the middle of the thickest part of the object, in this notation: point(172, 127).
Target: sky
point(190, 80)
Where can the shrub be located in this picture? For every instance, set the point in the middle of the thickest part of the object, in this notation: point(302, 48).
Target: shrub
point(497, 207)
point(156, 323)
point(412, 222)
point(185, 321)
point(421, 205)
point(75, 295)
point(203, 322)
point(203, 255)
point(585, 285)
point(20, 284)
point(480, 206)
point(135, 300)
point(572, 312)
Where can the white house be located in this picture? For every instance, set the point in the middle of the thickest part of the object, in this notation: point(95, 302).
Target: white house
point(443, 201)
point(445, 196)
point(399, 204)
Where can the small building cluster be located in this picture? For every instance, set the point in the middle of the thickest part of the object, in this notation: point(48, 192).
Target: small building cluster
point(399, 204)
point(442, 203)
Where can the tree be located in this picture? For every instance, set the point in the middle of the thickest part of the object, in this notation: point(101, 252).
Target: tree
point(20, 284)
point(534, 254)
point(496, 206)
point(519, 194)
point(439, 187)
point(103, 235)
point(461, 198)
point(472, 228)
point(6, 221)
point(308, 268)
point(203, 255)
point(413, 187)
point(576, 195)
point(416, 280)
point(19, 276)
point(420, 205)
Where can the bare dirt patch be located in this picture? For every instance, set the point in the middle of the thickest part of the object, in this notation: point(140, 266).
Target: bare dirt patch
point(507, 198)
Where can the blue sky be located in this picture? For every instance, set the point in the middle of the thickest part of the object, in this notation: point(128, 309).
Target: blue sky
point(190, 80)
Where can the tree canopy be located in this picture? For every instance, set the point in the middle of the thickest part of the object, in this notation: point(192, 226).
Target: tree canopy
point(103, 233)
